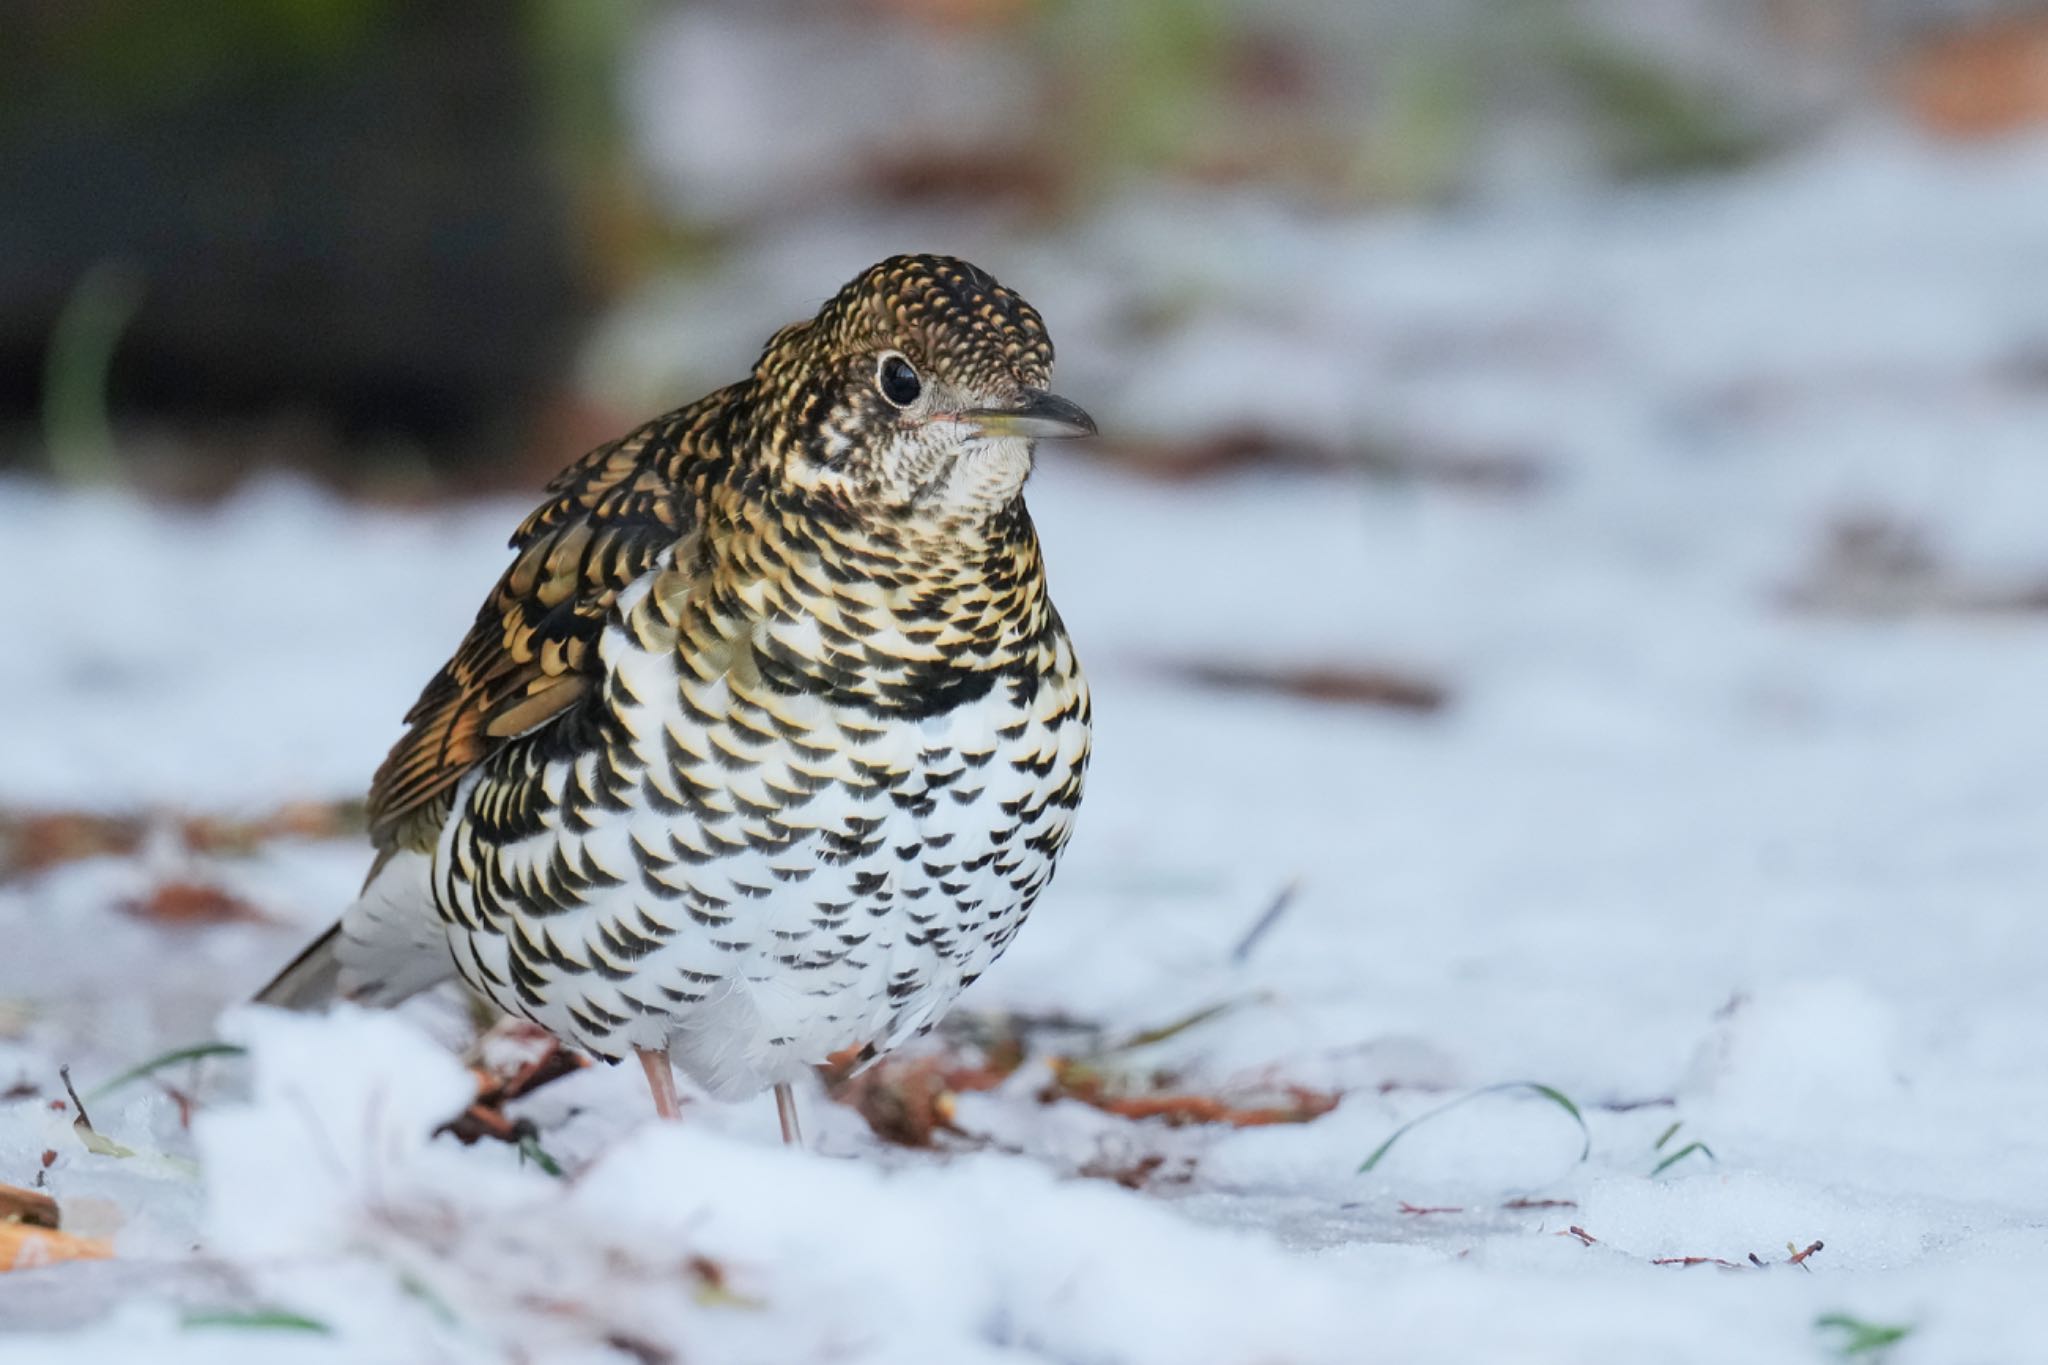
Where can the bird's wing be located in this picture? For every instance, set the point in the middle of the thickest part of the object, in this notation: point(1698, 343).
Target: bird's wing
point(533, 650)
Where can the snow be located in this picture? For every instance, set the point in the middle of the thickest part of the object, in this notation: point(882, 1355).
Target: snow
point(1683, 854)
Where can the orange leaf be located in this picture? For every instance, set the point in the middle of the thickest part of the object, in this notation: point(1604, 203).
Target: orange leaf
point(23, 1247)
point(1984, 80)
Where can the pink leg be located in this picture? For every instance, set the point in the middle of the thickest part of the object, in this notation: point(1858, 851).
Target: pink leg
point(662, 1081)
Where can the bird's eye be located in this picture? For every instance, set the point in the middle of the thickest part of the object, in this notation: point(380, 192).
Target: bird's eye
point(897, 379)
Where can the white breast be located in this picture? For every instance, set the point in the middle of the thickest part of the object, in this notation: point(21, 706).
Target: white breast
point(765, 900)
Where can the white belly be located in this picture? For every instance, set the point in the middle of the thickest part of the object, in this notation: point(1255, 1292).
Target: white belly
point(755, 901)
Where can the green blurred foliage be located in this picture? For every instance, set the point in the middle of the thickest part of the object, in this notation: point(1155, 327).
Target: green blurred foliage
point(1394, 111)
point(1148, 75)
point(1648, 119)
point(125, 55)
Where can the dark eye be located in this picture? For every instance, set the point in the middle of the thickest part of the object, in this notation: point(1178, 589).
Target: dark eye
point(898, 379)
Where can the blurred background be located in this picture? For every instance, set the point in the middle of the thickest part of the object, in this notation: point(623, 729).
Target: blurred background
point(413, 248)
point(1565, 555)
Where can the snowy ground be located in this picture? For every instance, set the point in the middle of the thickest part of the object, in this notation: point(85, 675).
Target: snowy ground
point(1682, 853)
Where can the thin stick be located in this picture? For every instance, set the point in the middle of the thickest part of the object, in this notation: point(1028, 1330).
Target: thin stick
point(662, 1081)
point(64, 1075)
point(785, 1109)
point(1243, 951)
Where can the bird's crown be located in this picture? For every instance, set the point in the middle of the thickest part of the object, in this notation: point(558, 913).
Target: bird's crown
point(915, 392)
point(944, 312)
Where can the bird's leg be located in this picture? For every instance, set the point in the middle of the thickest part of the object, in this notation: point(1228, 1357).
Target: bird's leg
point(785, 1109)
point(662, 1081)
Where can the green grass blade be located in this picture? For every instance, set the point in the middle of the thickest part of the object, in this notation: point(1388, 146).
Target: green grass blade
point(258, 1320)
point(1551, 1093)
point(1859, 1337)
point(1162, 1032)
point(77, 431)
point(1564, 1102)
point(155, 1064)
point(531, 1150)
point(419, 1289)
point(1681, 1154)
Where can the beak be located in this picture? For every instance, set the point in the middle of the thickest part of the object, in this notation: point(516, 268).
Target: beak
point(1040, 415)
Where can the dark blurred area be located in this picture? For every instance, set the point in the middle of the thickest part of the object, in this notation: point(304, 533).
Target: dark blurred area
point(350, 213)
point(353, 235)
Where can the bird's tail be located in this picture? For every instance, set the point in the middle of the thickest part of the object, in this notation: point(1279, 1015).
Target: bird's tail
point(312, 981)
point(387, 947)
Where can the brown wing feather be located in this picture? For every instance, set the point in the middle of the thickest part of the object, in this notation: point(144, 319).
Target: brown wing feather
point(533, 649)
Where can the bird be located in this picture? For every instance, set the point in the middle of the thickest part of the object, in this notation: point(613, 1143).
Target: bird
point(769, 737)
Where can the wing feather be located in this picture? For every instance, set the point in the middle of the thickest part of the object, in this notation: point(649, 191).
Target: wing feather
point(532, 652)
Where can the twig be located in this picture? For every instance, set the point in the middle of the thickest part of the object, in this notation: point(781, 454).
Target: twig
point(485, 1116)
point(64, 1074)
point(1243, 951)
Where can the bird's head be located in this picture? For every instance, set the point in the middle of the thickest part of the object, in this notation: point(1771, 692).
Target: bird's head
point(915, 395)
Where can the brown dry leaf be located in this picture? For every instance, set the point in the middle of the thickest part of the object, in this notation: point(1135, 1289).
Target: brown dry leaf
point(1354, 684)
point(31, 841)
point(23, 1247)
point(183, 903)
point(1483, 473)
point(1076, 1081)
point(486, 1117)
point(29, 1207)
point(1142, 1173)
point(1982, 80)
point(1017, 176)
point(35, 840)
point(292, 820)
point(909, 1102)
point(1877, 564)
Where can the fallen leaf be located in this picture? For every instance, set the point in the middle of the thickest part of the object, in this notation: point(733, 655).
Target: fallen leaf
point(1981, 80)
point(1351, 684)
point(35, 840)
point(194, 903)
point(27, 1206)
point(1142, 1173)
point(1078, 1081)
point(23, 1247)
point(910, 1101)
point(486, 1117)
